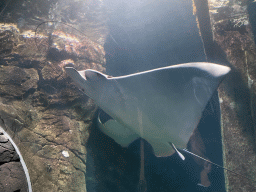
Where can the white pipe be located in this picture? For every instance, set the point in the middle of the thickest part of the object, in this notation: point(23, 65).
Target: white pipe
point(21, 159)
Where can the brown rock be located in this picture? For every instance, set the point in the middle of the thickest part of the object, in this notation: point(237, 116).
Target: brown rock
point(41, 109)
point(3, 139)
point(237, 94)
point(12, 177)
point(11, 117)
point(17, 81)
point(7, 152)
point(7, 146)
point(5, 155)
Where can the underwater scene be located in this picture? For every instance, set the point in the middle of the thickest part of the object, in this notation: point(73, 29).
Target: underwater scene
point(127, 96)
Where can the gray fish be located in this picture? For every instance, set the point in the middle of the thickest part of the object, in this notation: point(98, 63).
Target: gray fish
point(163, 105)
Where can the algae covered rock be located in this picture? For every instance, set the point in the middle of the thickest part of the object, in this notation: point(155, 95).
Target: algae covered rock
point(44, 113)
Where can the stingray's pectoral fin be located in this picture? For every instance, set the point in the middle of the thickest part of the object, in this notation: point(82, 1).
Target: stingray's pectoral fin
point(74, 74)
point(122, 135)
point(161, 149)
point(176, 150)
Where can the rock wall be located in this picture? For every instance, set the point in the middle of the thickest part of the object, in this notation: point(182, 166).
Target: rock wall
point(233, 35)
point(12, 175)
point(44, 113)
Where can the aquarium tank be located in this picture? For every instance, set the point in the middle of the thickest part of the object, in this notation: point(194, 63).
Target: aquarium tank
point(127, 96)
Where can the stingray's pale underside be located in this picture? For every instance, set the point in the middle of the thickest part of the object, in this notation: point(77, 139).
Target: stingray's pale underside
point(162, 106)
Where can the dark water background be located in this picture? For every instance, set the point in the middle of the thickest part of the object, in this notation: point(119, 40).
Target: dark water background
point(151, 35)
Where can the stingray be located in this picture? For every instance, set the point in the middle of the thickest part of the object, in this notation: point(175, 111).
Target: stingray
point(162, 106)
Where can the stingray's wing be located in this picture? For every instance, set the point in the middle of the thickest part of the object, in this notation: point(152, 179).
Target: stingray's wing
point(172, 99)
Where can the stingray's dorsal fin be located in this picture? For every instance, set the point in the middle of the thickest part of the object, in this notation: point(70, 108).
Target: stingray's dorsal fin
point(190, 153)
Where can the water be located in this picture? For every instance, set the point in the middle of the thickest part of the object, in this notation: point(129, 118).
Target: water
point(54, 124)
